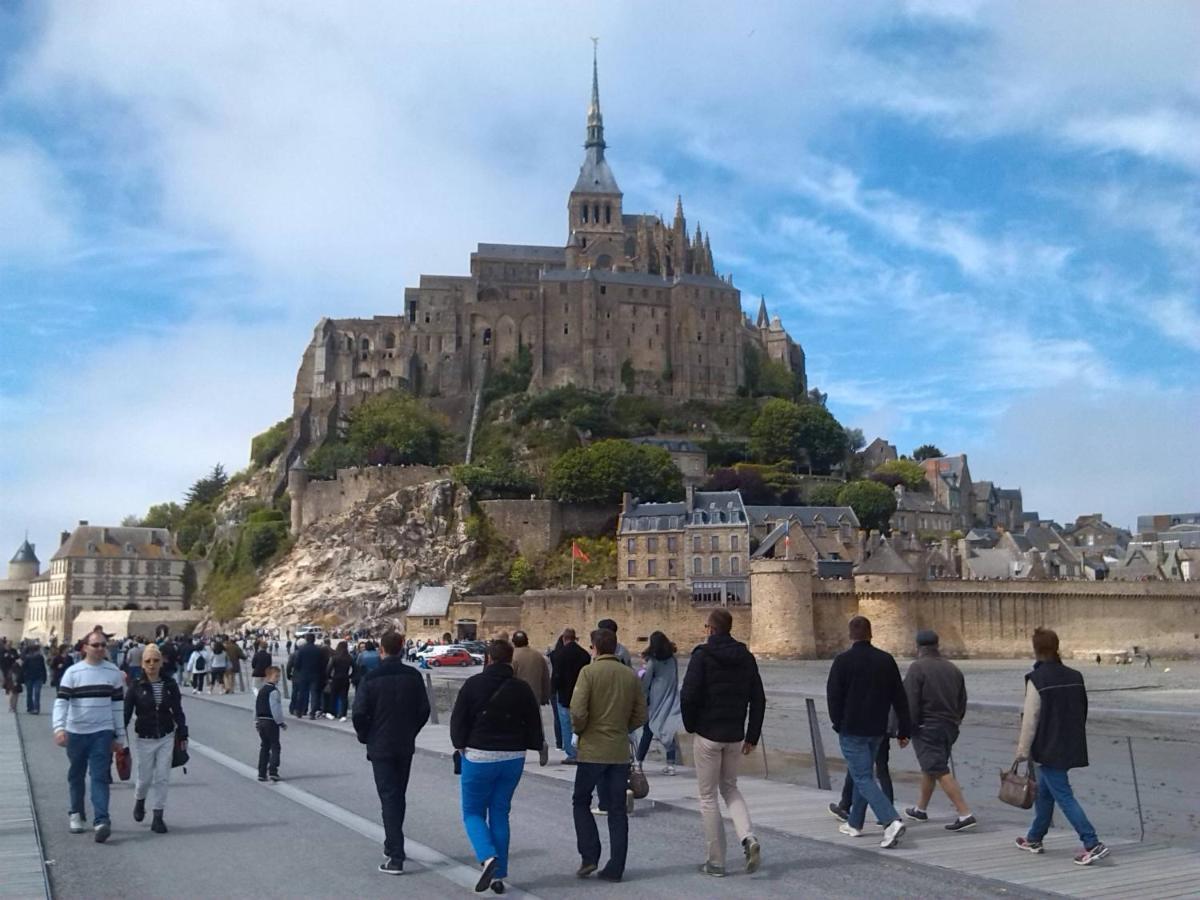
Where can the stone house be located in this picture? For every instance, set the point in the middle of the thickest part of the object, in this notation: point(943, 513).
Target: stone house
point(106, 568)
point(920, 514)
point(428, 615)
point(690, 459)
point(876, 454)
point(949, 479)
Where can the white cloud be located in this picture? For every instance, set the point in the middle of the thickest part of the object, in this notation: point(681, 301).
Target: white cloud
point(1170, 135)
point(35, 207)
point(1178, 319)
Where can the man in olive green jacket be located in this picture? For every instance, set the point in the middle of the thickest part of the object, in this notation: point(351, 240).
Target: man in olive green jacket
point(607, 705)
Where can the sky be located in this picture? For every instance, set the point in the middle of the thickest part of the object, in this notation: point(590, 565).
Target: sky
point(981, 220)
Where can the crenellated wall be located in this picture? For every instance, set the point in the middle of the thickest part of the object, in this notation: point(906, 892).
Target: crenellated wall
point(538, 526)
point(319, 499)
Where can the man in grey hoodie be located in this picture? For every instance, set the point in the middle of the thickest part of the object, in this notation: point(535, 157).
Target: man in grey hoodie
point(937, 702)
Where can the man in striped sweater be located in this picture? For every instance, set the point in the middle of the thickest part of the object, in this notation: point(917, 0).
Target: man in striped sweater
point(89, 720)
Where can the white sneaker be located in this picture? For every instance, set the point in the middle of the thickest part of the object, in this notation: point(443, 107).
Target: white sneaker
point(849, 830)
point(668, 769)
point(77, 825)
point(342, 719)
point(329, 716)
point(892, 834)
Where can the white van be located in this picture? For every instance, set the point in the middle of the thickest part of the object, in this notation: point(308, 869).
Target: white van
point(316, 631)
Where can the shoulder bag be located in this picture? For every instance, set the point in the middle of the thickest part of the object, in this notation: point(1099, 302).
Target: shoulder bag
point(1016, 789)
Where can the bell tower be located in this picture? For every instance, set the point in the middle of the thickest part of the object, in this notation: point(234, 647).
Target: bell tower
point(596, 233)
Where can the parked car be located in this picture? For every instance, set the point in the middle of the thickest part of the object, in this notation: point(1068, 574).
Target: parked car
point(316, 631)
point(452, 656)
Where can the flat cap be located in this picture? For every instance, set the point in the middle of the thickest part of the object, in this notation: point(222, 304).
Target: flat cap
point(927, 637)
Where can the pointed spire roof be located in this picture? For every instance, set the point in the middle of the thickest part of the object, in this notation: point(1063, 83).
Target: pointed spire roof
point(763, 319)
point(679, 207)
point(25, 553)
point(884, 561)
point(595, 177)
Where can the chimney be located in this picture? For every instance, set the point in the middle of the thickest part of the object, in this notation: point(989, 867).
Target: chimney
point(626, 502)
point(63, 537)
point(691, 497)
point(83, 523)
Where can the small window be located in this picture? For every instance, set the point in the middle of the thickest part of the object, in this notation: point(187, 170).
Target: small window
point(716, 542)
point(733, 542)
point(652, 545)
point(651, 568)
point(734, 565)
point(716, 565)
point(562, 287)
point(697, 566)
point(672, 544)
point(607, 214)
point(631, 568)
point(696, 543)
point(585, 212)
point(566, 328)
point(671, 566)
point(631, 545)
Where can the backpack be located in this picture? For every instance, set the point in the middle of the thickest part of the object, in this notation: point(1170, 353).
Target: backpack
point(199, 667)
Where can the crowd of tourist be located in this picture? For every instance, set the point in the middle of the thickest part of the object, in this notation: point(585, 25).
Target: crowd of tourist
point(608, 709)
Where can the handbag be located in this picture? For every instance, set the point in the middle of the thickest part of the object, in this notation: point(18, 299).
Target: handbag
point(179, 754)
point(124, 760)
point(1016, 789)
point(639, 784)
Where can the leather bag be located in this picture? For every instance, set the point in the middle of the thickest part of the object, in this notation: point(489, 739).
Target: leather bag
point(638, 782)
point(1016, 789)
point(124, 760)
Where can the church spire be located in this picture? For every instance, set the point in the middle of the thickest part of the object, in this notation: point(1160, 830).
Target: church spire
point(763, 319)
point(595, 121)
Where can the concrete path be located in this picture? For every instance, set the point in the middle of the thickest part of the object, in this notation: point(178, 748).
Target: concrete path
point(1150, 870)
point(22, 873)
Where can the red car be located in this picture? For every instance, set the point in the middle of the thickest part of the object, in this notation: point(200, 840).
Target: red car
point(452, 657)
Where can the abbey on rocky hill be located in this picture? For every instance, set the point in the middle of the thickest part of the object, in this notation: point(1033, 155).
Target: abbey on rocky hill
point(629, 304)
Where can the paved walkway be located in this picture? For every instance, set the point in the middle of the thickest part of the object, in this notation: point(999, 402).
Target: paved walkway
point(21, 871)
point(1151, 870)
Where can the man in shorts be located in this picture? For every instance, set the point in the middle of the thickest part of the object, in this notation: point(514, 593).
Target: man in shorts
point(937, 701)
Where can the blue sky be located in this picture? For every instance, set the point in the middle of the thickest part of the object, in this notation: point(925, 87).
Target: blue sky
point(981, 220)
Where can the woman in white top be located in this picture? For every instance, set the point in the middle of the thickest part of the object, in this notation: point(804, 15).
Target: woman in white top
point(220, 662)
point(199, 664)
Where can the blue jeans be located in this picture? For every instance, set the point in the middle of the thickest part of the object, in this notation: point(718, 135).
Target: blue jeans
point(670, 746)
point(301, 687)
point(608, 780)
point(89, 752)
point(558, 741)
point(1055, 787)
point(33, 696)
point(859, 753)
point(564, 721)
point(487, 792)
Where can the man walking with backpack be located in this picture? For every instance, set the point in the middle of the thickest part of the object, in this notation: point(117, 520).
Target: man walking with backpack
point(864, 684)
point(722, 692)
point(390, 708)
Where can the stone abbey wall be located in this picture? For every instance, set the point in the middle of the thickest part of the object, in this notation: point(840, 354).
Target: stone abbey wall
point(319, 499)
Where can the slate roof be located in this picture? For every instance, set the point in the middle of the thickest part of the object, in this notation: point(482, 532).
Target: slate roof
point(672, 445)
point(118, 542)
point(1008, 493)
point(805, 515)
point(912, 501)
point(595, 176)
point(531, 252)
point(884, 560)
point(995, 563)
point(25, 553)
point(431, 600)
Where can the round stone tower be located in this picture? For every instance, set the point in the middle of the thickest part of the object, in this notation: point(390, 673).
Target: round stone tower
point(297, 486)
point(887, 587)
point(781, 591)
point(24, 565)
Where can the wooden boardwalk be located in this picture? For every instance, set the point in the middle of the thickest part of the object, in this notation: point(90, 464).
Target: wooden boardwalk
point(21, 871)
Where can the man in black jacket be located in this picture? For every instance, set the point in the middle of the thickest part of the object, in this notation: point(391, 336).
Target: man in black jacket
point(864, 685)
point(567, 661)
point(309, 671)
point(721, 687)
point(1054, 735)
point(390, 708)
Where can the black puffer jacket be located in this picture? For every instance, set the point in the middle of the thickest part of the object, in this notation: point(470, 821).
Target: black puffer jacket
point(722, 684)
point(259, 663)
point(390, 708)
point(155, 721)
point(496, 711)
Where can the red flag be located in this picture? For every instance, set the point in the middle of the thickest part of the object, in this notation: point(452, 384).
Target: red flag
point(577, 553)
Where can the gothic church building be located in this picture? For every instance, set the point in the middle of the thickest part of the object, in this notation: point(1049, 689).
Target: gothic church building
point(631, 303)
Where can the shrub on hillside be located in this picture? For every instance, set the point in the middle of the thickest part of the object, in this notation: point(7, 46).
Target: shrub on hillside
point(600, 473)
point(268, 445)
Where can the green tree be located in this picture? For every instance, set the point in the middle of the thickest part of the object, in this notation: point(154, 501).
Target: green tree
point(268, 445)
point(600, 472)
point(195, 527)
point(330, 456)
point(927, 451)
point(207, 489)
point(394, 429)
point(900, 471)
point(264, 538)
point(494, 478)
point(511, 376)
point(163, 515)
point(825, 494)
point(784, 430)
point(873, 503)
point(857, 440)
point(521, 575)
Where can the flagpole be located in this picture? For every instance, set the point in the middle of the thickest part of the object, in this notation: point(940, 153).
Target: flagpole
point(572, 567)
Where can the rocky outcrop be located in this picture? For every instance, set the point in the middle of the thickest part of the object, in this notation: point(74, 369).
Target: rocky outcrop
point(360, 568)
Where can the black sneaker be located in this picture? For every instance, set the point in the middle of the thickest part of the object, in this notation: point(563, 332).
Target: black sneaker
point(838, 813)
point(917, 815)
point(609, 875)
point(962, 824)
point(1031, 846)
point(392, 867)
point(485, 877)
point(497, 887)
point(262, 777)
point(274, 776)
point(103, 830)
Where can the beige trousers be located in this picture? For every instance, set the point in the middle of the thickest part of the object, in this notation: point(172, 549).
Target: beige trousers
point(716, 770)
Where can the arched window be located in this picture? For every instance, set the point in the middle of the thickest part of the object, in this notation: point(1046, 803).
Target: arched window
point(596, 212)
point(349, 343)
point(487, 336)
point(389, 342)
point(607, 214)
point(585, 213)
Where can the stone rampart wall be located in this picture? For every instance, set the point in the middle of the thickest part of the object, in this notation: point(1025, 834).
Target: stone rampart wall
point(329, 498)
point(538, 526)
